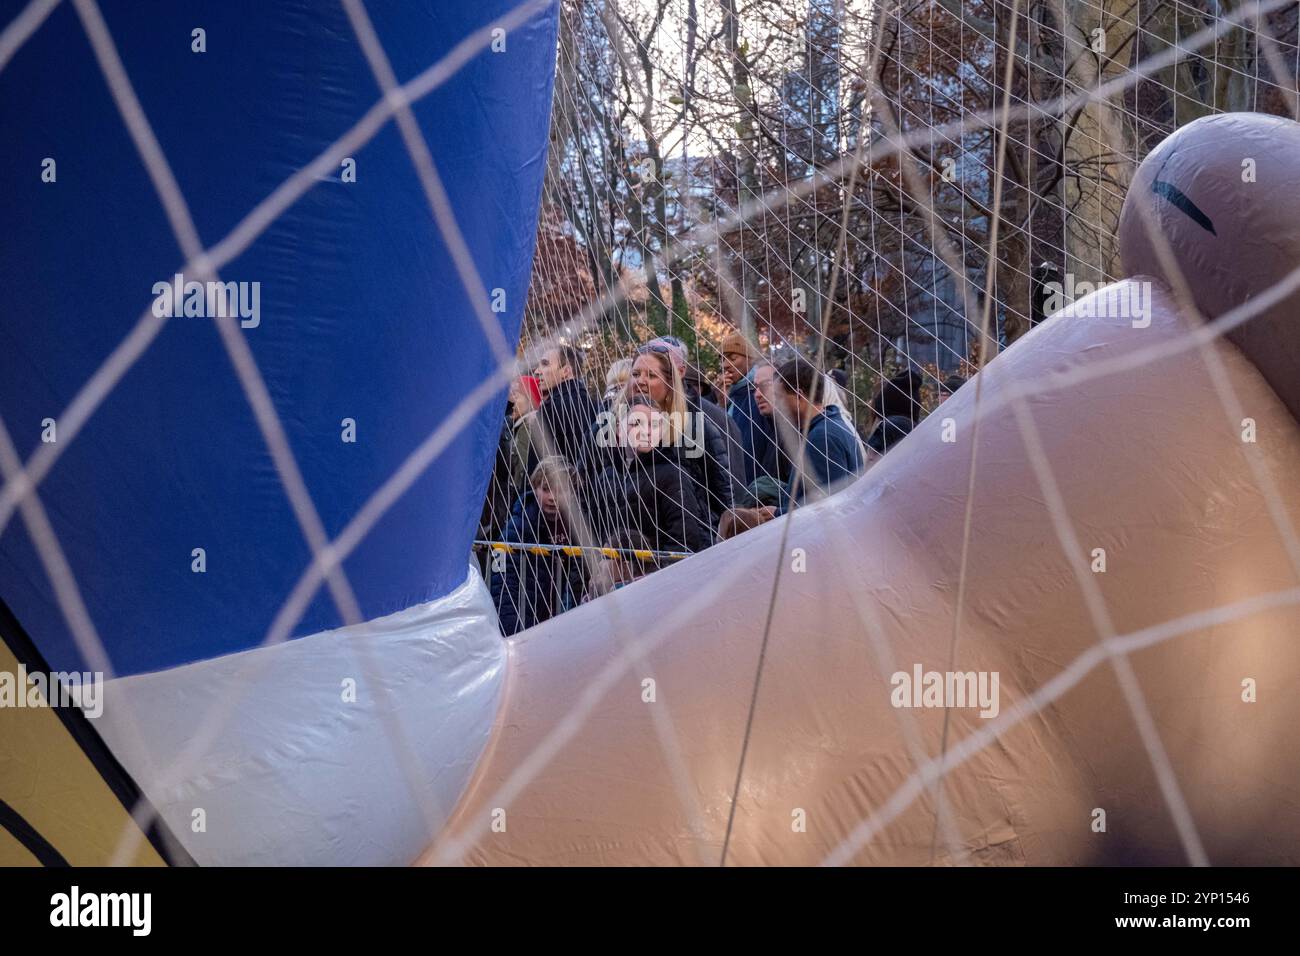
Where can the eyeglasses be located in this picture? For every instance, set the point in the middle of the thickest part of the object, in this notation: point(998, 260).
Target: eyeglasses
point(658, 347)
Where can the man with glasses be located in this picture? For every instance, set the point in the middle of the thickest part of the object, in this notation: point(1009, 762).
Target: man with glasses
point(756, 433)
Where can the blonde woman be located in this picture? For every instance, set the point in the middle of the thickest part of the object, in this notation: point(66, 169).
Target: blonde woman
point(650, 487)
point(654, 374)
point(699, 447)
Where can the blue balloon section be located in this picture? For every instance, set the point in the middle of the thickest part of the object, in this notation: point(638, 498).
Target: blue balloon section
point(361, 312)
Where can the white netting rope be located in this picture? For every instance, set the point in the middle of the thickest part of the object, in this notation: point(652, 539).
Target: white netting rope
point(21, 481)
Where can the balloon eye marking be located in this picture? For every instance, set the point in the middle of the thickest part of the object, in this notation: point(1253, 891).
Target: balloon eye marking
point(1182, 201)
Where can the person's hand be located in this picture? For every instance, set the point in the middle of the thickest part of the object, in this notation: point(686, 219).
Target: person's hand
point(730, 525)
point(742, 519)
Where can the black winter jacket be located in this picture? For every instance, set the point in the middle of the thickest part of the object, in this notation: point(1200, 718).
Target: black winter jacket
point(722, 465)
point(661, 503)
point(567, 417)
point(532, 588)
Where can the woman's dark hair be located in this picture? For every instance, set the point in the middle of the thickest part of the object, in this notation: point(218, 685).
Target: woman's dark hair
point(898, 397)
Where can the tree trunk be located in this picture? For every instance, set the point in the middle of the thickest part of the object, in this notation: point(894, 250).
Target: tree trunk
point(747, 135)
point(1097, 152)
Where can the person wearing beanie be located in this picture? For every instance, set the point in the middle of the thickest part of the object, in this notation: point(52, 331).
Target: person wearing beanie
point(529, 393)
point(943, 390)
point(697, 381)
point(756, 432)
point(738, 355)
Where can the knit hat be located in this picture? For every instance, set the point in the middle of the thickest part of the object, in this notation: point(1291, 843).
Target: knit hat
point(764, 491)
point(733, 343)
point(674, 347)
point(529, 384)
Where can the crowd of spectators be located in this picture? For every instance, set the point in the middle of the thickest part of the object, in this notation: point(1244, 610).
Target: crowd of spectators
point(592, 491)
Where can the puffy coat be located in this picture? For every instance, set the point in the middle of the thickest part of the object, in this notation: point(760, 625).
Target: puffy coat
point(704, 456)
point(532, 588)
point(662, 504)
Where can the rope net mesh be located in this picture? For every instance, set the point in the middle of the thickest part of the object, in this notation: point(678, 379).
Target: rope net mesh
point(894, 191)
point(897, 192)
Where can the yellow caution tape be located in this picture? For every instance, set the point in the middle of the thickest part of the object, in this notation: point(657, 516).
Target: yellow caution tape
point(574, 551)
